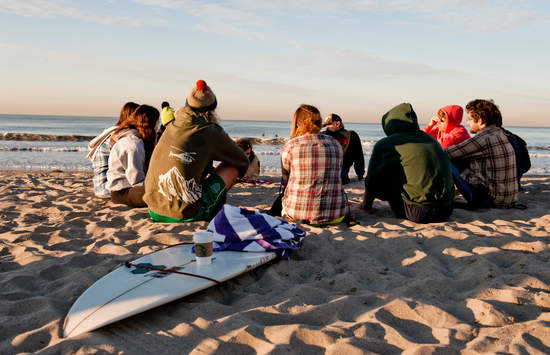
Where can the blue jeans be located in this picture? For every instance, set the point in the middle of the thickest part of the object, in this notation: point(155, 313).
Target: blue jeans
point(477, 196)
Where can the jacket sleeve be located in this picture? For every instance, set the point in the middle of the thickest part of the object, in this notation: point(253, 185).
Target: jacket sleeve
point(135, 164)
point(228, 152)
point(454, 137)
point(473, 147)
point(358, 158)
point(431, 130)
point(285, 163)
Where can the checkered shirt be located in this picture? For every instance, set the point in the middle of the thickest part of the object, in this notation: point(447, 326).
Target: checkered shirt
point(100, 163)
point(311, 165)
point(492, 164)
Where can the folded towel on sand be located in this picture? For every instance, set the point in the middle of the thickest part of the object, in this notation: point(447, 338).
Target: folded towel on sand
point(244, 230)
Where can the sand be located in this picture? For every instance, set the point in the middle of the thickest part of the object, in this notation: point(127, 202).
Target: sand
point(478, 283)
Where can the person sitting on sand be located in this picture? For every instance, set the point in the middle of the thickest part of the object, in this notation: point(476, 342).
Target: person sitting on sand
point(351, 145)
point(311, 167)
point(410, 170)
point(166, 116)
point(485, 172)
point(253, 172)
point(178, 186)
point(446, 126)
point(99, 152)
point(132, 144)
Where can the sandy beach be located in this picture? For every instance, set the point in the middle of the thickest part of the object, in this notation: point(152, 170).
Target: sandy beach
point(478, 283)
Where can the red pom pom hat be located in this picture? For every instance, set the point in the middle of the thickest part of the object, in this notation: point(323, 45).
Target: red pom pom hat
point(201, 98)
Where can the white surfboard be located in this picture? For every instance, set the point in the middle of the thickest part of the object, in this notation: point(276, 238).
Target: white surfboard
point(127, 291)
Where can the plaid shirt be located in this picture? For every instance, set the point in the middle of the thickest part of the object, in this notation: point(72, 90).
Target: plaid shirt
point(491, 163)
point(311, 167)
point(100, 163)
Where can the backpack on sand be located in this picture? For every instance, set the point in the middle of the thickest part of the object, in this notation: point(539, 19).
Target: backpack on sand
point(523, 162)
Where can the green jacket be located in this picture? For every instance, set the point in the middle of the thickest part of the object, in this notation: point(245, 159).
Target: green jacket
point(410, 161)
point(182, 159)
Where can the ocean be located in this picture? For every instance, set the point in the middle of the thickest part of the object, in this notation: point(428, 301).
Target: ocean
point(45, 142)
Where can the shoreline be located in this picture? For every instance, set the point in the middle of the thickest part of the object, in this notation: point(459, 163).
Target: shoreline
point(478, 283)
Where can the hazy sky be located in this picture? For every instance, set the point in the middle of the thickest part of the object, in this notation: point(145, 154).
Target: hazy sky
point(263, 58)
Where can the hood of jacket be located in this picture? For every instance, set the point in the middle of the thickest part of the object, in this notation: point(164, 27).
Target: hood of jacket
point(454, 117)
point(401, 118)
point(98, 141)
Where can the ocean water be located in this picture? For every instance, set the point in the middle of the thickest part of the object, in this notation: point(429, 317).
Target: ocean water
point(40, 142)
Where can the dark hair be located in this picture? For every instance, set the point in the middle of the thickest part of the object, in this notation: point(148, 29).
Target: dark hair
point(485, 111)
point(164, 104)
point(126, 111)
point(306, 119)
point(245, 144)
point(144, 120)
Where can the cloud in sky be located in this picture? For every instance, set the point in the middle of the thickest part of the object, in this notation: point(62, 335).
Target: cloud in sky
point(243, 18)
point(40, 8)
point(240, 16)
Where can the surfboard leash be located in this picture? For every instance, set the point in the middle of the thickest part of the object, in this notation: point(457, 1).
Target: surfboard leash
point(129, 264)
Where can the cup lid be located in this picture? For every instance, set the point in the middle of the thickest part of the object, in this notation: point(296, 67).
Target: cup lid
point(203, 237)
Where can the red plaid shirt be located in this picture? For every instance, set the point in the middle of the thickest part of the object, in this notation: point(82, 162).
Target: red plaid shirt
point(492, 164)
point(311, 167)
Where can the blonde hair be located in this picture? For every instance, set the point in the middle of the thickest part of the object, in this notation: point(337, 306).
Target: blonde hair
point(306, 119)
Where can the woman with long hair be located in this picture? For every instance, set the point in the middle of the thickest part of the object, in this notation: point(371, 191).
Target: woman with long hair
point(253, 172)
point(132, 144)
point(311, 164)
point(100, 149)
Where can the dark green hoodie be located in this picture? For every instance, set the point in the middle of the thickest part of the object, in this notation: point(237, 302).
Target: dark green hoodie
point(409, 162)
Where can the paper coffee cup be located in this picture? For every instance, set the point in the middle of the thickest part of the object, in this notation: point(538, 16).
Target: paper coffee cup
point(203, 247)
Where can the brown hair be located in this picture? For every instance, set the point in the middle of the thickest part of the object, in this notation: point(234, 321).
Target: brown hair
point(245, 144)
point(306, 119)
point(126, 111)
point(144, 119)
point(485, 111)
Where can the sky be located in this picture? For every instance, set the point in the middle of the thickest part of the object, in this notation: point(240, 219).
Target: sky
point(263, 58)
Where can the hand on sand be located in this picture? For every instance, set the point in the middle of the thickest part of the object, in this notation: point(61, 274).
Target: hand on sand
point(365, 208)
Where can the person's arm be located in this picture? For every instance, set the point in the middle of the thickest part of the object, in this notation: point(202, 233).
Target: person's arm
point(432, 128)
point(285, 163)
point(470, 148)
point(135, 155)
point(367, 202)
point(358, 158)
point(228, 152)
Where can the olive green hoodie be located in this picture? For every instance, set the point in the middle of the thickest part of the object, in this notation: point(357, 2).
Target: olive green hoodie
point(410, 162)
point(182, 159)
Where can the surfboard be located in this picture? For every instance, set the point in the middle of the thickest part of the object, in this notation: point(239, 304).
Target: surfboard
point(151, 281)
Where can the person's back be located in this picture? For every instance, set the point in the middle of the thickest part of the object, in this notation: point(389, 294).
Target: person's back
point(175, 186)
point(351, 146)
point(487, 161)
point(131, 147)
point(311, 164)
point(100, 149)
point(410, 166)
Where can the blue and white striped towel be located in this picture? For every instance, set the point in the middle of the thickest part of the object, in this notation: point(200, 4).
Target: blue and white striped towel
point(244, 230)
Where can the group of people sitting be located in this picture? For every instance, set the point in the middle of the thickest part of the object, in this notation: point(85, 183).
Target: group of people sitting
point(170, 169)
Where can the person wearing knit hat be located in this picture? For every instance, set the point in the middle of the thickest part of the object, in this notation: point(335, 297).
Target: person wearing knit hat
point(166, 116)
point(181, 184)
point(201, 98)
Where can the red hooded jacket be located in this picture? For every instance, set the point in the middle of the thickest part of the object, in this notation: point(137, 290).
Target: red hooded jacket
point(452, 132)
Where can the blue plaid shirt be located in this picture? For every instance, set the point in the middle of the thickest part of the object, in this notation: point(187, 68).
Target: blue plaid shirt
point(100, 163)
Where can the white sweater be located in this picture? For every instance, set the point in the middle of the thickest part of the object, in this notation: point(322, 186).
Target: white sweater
point(126, 162)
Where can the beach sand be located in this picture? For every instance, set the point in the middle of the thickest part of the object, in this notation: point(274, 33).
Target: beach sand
point(478, 283)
